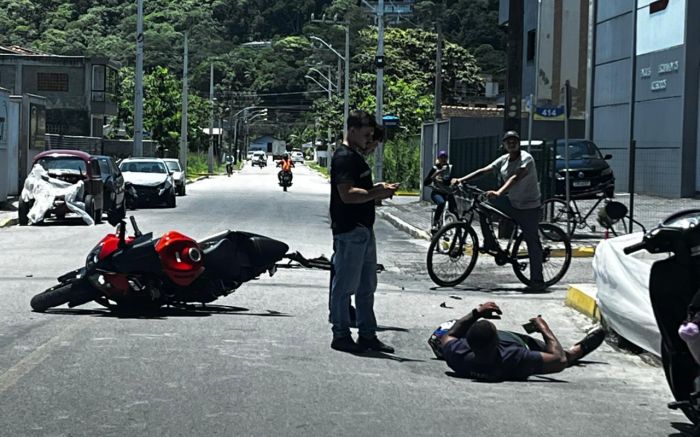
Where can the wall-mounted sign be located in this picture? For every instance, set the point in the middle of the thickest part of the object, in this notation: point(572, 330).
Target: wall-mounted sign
point(667, 67)
point(645, 72)
point(658, 85)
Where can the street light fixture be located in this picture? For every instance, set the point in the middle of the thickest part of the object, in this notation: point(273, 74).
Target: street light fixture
point(346, 61)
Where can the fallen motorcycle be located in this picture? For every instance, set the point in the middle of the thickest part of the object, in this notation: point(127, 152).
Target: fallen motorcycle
point(142, 272)
point(674, 291)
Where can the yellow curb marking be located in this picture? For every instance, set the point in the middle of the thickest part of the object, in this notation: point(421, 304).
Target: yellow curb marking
point(582, 302)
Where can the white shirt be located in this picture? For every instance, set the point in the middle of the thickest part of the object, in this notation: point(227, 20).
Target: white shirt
point(525, 193)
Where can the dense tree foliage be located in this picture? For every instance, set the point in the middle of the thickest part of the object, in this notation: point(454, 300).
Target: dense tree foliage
point(275, 76)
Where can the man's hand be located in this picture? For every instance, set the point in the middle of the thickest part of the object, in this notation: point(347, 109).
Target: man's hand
point(385, 190)
point(540, 324)
point(492, 193)
point(489, 310)
point(455, 181)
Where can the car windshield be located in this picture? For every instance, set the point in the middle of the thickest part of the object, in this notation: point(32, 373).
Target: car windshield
point(143, 167)
point(579, 150)
point(63, 165)
point(173, 165)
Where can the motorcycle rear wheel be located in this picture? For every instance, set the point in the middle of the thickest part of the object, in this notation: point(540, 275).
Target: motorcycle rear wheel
point(60, 294)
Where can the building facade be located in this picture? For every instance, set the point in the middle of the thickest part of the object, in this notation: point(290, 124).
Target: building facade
point(80, 91)
point(645, 74)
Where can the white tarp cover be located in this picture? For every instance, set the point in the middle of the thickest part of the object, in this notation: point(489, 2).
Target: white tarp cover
point(623, 291)
point(44, 189)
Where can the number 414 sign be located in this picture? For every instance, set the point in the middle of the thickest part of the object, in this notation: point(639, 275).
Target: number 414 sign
point(549, 113)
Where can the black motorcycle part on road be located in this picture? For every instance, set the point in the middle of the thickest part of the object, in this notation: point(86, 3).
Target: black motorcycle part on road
point(75, 293)
point(241, 256)
point(672, 287)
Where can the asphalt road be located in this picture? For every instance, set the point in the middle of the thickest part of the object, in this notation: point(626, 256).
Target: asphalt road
point(259, 362)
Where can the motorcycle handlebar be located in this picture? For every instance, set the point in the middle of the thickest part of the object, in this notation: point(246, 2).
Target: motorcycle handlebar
point(635, 248)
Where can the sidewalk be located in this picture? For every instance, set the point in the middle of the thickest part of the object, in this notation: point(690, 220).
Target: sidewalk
point(8, 212)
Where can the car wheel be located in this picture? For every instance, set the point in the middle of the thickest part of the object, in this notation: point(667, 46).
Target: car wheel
point(23, 212)
point(182, 190)
point(90, 206)
point(610, 192)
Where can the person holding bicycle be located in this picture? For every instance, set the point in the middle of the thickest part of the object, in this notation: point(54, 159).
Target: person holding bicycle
point(520, 183)
point(438, 179)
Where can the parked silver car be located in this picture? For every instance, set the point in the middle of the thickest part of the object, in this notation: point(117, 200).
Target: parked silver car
point(178, 175)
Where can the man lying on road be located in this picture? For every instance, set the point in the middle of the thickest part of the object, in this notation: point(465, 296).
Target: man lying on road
point(474, 348)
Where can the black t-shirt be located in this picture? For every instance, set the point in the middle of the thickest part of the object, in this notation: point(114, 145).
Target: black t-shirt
point(349, 167)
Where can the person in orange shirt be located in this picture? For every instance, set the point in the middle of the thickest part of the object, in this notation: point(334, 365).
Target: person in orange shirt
point(286, 163)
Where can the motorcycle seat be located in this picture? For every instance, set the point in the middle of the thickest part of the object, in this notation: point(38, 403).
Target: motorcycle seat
point(219, 256)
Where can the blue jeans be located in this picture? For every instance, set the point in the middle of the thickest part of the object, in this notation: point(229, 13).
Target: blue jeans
point(354, 271)
point(528, 220)
point(440, 199)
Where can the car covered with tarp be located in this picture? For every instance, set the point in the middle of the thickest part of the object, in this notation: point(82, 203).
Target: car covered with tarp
point(62, 182)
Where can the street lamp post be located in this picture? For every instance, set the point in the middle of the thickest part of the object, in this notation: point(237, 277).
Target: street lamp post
point(346, 60)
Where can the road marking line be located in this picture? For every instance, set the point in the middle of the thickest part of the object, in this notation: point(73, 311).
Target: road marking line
point(28, 363)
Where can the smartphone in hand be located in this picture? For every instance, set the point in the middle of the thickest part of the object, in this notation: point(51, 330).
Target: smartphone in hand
point(530, 327)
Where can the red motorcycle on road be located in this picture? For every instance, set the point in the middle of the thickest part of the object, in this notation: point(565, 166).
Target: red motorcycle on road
point(142, 272)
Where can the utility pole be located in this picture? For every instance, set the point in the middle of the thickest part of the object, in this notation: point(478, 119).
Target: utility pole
point(210, 152)
point(138, 83)
point(515, 66)
point(379, 154)
point(183, 122)
point(438, 80)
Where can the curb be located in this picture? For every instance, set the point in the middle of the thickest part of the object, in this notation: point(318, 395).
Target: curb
point(582, 298)
point(402, 225)
point(7, 222)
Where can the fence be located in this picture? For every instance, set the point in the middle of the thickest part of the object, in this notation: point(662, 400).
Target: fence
point(98, 146)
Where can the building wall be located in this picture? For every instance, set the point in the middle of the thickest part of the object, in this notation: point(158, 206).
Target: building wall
point(665, 95)
point(611, 89)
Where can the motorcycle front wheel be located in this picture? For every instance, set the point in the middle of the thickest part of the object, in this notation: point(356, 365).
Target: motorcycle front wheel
point(61, 294)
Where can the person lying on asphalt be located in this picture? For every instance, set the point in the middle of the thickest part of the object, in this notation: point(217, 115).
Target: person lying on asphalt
point(475, 349)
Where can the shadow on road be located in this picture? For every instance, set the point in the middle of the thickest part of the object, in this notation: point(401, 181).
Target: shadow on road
point(535, 378)
point(164, 313)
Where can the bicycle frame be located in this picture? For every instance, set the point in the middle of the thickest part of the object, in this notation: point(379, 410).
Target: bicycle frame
point(484, 210)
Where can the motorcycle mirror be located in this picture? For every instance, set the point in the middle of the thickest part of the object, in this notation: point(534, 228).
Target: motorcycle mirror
point(137, 231)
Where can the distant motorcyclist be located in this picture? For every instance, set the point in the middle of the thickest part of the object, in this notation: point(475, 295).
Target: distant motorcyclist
point(229, 164)
point(286, 164)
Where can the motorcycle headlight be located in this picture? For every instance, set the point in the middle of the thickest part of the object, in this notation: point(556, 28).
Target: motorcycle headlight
point(93, 257)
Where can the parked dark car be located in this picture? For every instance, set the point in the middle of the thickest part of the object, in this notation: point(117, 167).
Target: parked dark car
point(70, 166)
point(590, 174)
point(114, 189)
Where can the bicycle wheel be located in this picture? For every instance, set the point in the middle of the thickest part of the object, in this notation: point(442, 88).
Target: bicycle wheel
point(556, 255)
point(452, 254)
point(556, 212)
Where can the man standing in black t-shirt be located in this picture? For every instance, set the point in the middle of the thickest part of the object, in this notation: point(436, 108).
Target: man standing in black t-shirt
point(354, 260)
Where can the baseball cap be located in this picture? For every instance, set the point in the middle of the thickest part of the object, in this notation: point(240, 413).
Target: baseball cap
point(442, 153)
point(510, 134)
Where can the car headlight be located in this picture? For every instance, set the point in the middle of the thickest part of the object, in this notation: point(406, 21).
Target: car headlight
point(606, 172)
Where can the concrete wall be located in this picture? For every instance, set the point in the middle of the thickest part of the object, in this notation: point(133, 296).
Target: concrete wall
point(665, 96)
point(4, 136)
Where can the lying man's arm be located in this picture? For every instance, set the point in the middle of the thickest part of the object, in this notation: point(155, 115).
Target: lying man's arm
point(487, 310)
point(553, 359)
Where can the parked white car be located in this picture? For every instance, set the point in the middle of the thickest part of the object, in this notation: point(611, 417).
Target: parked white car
point(150, 177)
point(297, 157)
point(178, 175)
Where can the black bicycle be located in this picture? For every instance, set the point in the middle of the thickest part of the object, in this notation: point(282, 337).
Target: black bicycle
point(555, 211)
point(454, 249)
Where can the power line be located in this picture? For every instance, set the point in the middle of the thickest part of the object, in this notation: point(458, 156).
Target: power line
point(244, 94)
